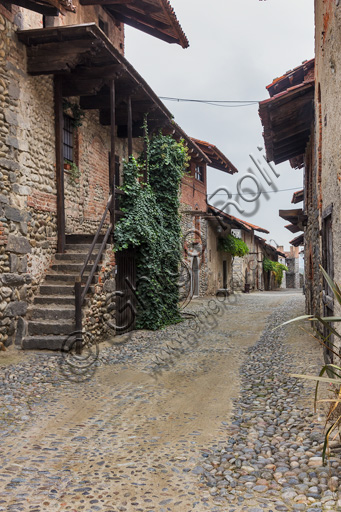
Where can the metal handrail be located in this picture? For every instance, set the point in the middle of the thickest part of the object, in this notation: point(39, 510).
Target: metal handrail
point(80, 293)
point(96, 235)
point(94, 266)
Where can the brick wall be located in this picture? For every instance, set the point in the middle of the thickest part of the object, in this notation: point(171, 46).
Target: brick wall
point(28, 232)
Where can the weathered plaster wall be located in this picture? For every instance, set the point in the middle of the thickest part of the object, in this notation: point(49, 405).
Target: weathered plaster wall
point(194, 234)
point(215, 262)
point(249, 269)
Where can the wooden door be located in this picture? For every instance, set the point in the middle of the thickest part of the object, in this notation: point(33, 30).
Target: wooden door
point(328, 265)
point(125, 291)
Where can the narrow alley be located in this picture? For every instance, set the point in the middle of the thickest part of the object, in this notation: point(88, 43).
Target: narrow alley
point(216, 423)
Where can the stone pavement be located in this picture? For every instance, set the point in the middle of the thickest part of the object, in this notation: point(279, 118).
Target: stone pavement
point(200, 416)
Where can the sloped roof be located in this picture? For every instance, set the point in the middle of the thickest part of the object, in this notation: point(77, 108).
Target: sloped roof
point(299, 240)
point(86, 61)
point(298, 75)
point(298, 197)
point(287, 118)
point(241, 223)
point(155, 17)
point(288, 114)
point(218, 159)
point(270, 247)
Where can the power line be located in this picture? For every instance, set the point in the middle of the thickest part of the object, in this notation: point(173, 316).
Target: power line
point(214, 103)
point(254, 193)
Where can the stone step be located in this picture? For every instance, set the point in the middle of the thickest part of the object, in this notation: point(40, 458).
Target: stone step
point(82, 247)
point(64, 300)
point(67, 278)
point(59, 289)
point(56, 289)
point(55, 312)
point(74, 257)
point(44, 342)
point(82, 239)
point(51, 327)
point(71, 268)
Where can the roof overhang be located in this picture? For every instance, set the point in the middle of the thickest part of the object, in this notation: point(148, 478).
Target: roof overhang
point(234, 221)
point(298, 197)
point(296, 76)
point(87, 61)
point(155, 17)
point(295, 217)
point(299, 240)
point(293, 228)
point(46, 7)
point(218, 159)
point(287, 118)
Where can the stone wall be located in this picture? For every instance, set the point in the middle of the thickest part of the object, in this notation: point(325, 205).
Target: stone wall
point(327, 123)
point(28, 228)
point(194, 233)
point(312, 237)
point(27, 202)
point(99, 315)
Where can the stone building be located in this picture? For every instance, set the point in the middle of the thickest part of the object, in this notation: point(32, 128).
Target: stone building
point(207, 268)
point(292, 259)
point(309, 137)
point(71, 108)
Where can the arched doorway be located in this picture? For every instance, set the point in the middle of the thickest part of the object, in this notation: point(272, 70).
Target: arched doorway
point(195, 276)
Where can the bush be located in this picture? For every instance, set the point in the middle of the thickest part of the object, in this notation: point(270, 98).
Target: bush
point(276, 268)
point(233, 245)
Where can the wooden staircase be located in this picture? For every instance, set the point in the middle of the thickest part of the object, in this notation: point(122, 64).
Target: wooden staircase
point(52, 315)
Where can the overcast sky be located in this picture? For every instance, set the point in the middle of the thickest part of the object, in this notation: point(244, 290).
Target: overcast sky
point(236, 49)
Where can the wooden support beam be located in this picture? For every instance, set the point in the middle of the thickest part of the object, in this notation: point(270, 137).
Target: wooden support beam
point(141, 17)
point(95, 102)
point(81, 87)
point(113, 151)
point(141, 26)
point(59, 123)
point(130, 128)
point(45, 10)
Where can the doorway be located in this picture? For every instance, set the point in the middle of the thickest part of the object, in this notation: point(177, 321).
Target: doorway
point(195, 277)
point(225, 274)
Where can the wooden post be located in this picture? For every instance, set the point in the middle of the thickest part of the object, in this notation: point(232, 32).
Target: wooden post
point(78, 314)
point(113, 152)
point(59, 120)
point(130, 128)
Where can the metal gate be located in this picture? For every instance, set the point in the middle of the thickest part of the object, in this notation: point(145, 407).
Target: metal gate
point(125, 291)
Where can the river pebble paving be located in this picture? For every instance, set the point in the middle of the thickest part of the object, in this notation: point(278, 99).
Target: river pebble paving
point(267, 456)
point(273, 458)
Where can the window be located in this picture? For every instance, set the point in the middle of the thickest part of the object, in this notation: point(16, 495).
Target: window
point(199, 173)
point(68, 139)
point(103, 25)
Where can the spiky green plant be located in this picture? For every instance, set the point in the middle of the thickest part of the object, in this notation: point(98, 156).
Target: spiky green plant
point(333, 419)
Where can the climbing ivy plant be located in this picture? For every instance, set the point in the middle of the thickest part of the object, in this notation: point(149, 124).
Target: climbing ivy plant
point(151, 225)
point(233, 245)
point(276, 268)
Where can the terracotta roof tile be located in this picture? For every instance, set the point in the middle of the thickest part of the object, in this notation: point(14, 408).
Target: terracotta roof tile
point(218, 159)
point(242, 223)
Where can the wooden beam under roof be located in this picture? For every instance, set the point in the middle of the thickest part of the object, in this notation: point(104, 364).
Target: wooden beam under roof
point(41, 8)
point(155, 17)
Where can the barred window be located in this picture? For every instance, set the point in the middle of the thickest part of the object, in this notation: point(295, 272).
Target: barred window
point(68, 138)
point(199, 173)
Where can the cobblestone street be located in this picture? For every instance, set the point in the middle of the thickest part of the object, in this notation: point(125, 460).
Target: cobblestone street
point(216, 424)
